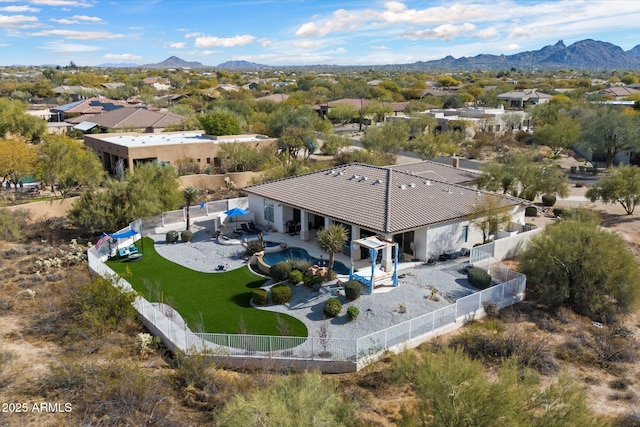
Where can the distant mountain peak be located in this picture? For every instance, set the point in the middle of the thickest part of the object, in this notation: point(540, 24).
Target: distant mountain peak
point(560, 43)
point(241, 64)
point(175, 62)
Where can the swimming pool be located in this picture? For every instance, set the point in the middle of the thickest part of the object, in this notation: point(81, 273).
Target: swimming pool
point(272, 258)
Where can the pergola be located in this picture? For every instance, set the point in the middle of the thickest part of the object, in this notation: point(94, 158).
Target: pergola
point(374, 244)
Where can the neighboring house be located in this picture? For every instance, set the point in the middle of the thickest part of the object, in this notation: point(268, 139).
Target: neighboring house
point(228, 87)
point(129, 118)
point(423, 215)
point(618, 92)
point(358, 104)
point(112, 85)
point(168, 147)
point(521, 99)
point(87, 106)
point(75, 92)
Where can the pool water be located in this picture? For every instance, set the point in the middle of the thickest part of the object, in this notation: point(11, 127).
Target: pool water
point(299, 253)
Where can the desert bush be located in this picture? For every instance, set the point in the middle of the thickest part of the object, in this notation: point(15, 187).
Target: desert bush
point(280, 271)
point(332, 307)
point(579, 184)
point(259, 296)
point(171, 237)
point(295, 276)
point(311, 279)
point(105, 306)
point(479, 278)
point(280, 294)
point(548, 199)
point(353, 312)
point(530, 211)
point(299, 264)
point(558, 211)
point(352, 290)
point(12, 224)
point(609, 349)
point(254, 246)
point(491, 309)
point(186, 236)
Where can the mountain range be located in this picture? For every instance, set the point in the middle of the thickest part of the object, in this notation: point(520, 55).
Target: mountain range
point(582, 55)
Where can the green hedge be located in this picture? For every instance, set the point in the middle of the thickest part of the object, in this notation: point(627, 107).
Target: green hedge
point(171, 237)
point(352, 290)
point(353, 312)
point(280, 271)
point(332, 307)
point(295, 277)
point(280, 294)
point(548, 199)
point(479, 278)
point(259, 296)
point(558, 211)
point(530, 211)
point(186, 236)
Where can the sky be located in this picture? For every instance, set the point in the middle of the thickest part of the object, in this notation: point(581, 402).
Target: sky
point(300, 32)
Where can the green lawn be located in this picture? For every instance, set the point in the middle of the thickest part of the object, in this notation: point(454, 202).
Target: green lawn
point(218, 301)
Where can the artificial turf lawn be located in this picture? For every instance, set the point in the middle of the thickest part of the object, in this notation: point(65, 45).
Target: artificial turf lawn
point(220, 301)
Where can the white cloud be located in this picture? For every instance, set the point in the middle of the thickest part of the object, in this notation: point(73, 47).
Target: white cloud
point(59, 47)
point(19, 9)
point(196, 52)
point(192, 35)
point(17, 21)
point(210, 41)
point(445, 32)
point(379, 47)
point(4, 44)
point(121, 57)
point(63, 3)
point(341, 20)
point(308, 44)
point(177, 45)
point(78, 19)
point(79, 35)
point(265, 42)
point(512, 46)
point(488, 33)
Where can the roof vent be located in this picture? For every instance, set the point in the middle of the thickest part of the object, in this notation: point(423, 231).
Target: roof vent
point(412, 185)
point(427, 182)
point(377, 181)
point(330, 172)
point(364, 178)
point(403, 187)
point(354, 177)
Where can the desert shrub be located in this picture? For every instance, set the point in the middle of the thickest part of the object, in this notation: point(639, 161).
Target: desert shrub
point(491, 309)
point(296, 276)
point(186, 236)
point(105, 306)
point(311, 279)
point(171, 237)
point(259, 296)
point(479, 278)
point(579, 184)
point(254, 246)
point(12, 223)
point(548, 199)
point(280, 271)
point(530, 211)
point(609, 348)
point(280, 294)
point(353, 312)
point(558, 211)
point(332, 307)
point(352, 290)
point(299, 264)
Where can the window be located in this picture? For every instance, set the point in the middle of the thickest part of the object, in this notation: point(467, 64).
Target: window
point(269, 213)
point(208, 160)
point(497, 128)
point(198, 160)
point(464, 238)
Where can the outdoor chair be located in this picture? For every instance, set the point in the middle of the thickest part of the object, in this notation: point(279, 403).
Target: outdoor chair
point(253, 228)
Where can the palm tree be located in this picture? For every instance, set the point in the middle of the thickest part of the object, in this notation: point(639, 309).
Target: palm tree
point(190, 194)
point(331, 240)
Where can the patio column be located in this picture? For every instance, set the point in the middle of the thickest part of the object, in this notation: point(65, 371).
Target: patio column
point(355, 235)
point(327, 221)
point(387, 260)
point(304, 225)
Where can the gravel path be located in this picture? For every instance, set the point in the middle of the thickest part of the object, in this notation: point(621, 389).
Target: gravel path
point(377, 311)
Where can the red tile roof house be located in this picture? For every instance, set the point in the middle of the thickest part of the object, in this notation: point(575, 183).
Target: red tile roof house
point(420, 208)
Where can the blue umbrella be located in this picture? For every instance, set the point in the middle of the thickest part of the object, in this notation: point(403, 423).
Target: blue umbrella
point(235, 212)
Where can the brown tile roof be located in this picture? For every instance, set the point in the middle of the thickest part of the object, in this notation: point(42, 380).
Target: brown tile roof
point(131, 118)
point(434, 170)
point(376, 198)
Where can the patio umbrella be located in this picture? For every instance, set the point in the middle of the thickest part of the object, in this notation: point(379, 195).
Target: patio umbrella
point(235, 212)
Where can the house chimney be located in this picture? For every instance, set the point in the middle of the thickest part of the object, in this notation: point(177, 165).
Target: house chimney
point(455, 162)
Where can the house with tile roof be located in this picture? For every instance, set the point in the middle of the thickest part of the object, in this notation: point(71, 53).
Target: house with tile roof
point(424, 214)
point(129, 118)
point(521, 99)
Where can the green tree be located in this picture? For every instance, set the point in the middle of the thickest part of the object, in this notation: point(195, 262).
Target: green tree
point(447, 81)
point(67, 164)
point(620, 184)
point(559, 134)
point(299, 400)
point(151, 190)
point(294, 139)
point(333, 143)
point(220, 123)
point(432, 144)
point(575, 262)
point(343, 113)
point(16, 122)
point(489, 215)
point(190, 194)
point(17, 159)
point(388, 138)
point(609, 130)
point(331, 240)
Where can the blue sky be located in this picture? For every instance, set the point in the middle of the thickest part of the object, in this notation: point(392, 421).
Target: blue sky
point(300, 32)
